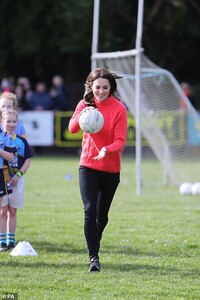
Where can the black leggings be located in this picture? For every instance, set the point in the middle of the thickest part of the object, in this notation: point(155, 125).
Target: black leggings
point(97, 190)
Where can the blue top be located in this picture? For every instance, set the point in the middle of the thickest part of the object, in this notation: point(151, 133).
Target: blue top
point(20, 130)
point(7, 144)
point(23, 151)
point(41, 99)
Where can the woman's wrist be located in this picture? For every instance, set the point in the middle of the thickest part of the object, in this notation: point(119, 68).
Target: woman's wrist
point(104, 149)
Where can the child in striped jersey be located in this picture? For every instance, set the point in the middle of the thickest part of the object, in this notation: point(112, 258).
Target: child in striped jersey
point(7, 148)
point(8, 101)
point(17, 168)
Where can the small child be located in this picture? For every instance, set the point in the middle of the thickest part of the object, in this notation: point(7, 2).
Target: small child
point(7, 148)
point(8, 101)
point(17, 168)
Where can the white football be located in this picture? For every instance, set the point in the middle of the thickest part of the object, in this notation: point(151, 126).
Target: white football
point(195, 190)
point(91, 120)
point(185, 188)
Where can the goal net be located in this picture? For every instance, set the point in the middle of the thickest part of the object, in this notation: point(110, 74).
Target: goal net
point(170, 125)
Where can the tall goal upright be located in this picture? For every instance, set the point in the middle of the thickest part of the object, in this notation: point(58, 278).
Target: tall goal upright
point(169, 123)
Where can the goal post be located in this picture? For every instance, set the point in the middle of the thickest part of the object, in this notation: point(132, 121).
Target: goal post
point(169, 122)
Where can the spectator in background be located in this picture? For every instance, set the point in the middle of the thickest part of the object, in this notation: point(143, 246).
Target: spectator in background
point(5, 85)
point(19, 92)
point(27, 91)
point(187, 91)
point(60, 95)
point(40, 99)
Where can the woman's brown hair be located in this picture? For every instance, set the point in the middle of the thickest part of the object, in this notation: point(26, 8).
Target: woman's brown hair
point(95, 74)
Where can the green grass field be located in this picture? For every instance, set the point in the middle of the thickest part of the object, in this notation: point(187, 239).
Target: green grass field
point(150, 248)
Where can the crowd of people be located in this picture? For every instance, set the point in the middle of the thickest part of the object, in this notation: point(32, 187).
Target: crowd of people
point(39, 97)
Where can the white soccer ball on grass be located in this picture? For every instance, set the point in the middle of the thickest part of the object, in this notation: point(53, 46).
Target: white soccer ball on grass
point(185, 188)
point(91, 120)
point(195, 190)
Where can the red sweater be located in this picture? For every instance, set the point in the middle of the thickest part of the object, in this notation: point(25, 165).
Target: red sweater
point(112, 136)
